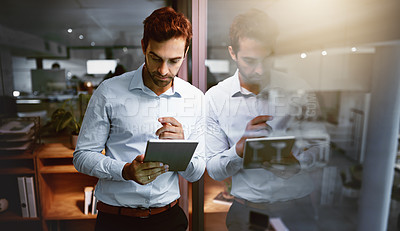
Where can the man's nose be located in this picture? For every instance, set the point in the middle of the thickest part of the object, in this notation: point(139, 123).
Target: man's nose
point(163, 68)
point(259, 68)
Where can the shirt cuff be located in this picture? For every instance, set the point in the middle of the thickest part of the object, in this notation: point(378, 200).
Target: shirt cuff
point(116, 170)
point(234, 157)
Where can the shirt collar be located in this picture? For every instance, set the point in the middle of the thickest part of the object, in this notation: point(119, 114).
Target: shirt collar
point(138, 84)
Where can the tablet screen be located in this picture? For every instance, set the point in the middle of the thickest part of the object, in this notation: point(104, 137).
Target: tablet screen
point(271, 149)
point(176, 153)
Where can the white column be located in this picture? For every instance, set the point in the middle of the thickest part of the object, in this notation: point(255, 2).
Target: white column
point(381, 147)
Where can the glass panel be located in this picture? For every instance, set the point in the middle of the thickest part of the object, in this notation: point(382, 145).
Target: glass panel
point(319, 81)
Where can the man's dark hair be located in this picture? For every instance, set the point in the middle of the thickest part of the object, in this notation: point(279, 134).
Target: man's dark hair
point(165, 23)
point(254, 24)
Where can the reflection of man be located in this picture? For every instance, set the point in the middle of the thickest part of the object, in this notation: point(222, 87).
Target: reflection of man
point(125, 112)
point(251, 104)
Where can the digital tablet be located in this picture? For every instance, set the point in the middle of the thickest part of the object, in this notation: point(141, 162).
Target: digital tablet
point(257, 151)
point(176, 153)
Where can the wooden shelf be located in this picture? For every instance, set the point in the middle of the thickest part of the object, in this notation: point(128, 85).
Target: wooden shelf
point(10, 166)
point(13, 216)
point(13, 164)
point(17, 156)
point(55, 150)
point(58, 169)
point(59, 186)
point(16, 171)
point(67, 206)
point(55, 158)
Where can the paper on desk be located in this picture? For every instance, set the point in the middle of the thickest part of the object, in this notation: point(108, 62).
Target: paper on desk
point(16, 127)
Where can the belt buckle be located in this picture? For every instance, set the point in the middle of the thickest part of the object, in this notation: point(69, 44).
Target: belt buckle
point(143, 208)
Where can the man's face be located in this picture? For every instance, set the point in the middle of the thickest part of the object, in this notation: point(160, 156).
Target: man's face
point(254, 61)
point(163, 60)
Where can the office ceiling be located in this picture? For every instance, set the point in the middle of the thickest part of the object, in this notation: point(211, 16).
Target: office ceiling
point(306, 24)
point(105, 22)
point(314, 24)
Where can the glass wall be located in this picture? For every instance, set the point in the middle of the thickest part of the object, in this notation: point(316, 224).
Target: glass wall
point(324, 80)
point(328, 74)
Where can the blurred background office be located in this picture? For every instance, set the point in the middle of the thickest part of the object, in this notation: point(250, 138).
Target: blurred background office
point(347, 53)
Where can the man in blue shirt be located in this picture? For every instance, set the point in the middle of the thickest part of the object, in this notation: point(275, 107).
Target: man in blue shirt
point(125, 112)
point(255, 102)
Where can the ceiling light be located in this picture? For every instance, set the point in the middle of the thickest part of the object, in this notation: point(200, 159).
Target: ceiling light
point(125, 49)
point(16, 93)
point(92, 44)
point(324, 53)
point(69, 30)
point(354, 49)
point(81, 36)
point(303, 55)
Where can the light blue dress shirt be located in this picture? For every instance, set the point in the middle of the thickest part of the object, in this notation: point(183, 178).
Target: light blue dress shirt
point(121, 116)
point(228, 110)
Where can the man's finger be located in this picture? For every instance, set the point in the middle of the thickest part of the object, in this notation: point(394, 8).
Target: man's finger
point(152, 174)
point(150, 165)
point(168, 128)
point(260, 119)
point(152, 177)
point(259, 126)
point(171, 135)
point(153, 171)
point(140, 158)
point(170, 120)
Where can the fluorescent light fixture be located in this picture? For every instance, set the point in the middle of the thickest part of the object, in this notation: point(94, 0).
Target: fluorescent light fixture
point(28, 101)
point(217, 65)
point(101, 66)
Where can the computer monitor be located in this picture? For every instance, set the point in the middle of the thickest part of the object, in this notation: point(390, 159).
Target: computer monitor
point(100, 66)
point(48, 80)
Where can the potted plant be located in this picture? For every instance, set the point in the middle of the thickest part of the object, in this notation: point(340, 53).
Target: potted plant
point(65, 118)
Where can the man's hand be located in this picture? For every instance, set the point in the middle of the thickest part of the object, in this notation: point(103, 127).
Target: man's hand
point(285, 168)
point(171, 129)
point(253, 129)
point(143, 173)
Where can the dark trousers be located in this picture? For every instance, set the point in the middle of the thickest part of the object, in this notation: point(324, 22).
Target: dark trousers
point(296, 214)
point(172, 219)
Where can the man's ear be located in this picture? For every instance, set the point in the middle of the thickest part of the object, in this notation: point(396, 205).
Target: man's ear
point(232, 53)
point(143, 48)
